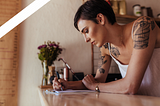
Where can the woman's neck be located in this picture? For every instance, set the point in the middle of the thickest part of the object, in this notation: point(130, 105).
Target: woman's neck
point(116, 33)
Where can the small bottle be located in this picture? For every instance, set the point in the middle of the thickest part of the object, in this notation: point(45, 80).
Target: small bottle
point(144, 11)
point(61, 74)
point(50, 73)
point(149, 12)
point(122, 7)
point(66, 73)
point(115, 6)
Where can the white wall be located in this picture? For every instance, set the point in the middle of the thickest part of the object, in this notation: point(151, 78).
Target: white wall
point(54, 22)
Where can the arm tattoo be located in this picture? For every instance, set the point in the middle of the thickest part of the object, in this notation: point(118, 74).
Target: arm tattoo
point(103, 62)
point(101, 70)
point(115, 51)
point(141, 32)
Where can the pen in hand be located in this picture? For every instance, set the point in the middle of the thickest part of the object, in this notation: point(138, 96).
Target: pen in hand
point(59, 78)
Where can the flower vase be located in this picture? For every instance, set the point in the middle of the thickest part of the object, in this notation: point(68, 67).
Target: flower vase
point(45, 73)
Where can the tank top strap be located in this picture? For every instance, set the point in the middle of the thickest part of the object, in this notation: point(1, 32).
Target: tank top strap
point(109, 47)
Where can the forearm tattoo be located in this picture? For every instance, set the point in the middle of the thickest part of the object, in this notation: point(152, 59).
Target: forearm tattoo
point(141, 32)
point(103, 61)
point(101, 70)
point(115, 51)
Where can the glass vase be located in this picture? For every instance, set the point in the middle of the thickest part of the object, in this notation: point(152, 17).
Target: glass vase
point(45, 73)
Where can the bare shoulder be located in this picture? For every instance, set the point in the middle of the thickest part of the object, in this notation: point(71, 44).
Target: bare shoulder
point(145, 19)
point(142, 29)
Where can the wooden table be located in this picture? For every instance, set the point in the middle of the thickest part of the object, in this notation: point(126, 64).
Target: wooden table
point(96, 99)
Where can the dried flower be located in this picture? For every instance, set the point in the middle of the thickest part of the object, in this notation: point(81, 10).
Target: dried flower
point(49, 51)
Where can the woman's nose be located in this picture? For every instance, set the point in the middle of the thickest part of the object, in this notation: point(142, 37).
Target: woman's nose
point(87, 39)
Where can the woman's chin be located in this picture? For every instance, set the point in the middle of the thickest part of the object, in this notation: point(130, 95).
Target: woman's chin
point(98, 45)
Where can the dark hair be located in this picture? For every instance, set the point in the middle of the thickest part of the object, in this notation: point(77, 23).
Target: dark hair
point(91, 8)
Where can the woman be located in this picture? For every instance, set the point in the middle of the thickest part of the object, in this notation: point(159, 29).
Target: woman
point(134, 47)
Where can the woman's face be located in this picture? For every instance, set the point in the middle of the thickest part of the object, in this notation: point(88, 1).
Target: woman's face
point(92, 32)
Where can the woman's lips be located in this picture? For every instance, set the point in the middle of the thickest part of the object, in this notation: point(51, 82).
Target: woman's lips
point(93, 42)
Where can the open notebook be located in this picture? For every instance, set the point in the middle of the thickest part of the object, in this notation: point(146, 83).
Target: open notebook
point(69, 91)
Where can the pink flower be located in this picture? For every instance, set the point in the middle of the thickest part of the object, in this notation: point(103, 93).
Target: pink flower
point(42, 46)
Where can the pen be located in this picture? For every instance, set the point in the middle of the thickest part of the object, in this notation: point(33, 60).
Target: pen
point(69, 68)
point(58, 78)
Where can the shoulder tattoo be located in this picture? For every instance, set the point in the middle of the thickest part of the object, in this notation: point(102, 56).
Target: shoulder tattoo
point(106, 45)
point(141, 32)
point(115, 51)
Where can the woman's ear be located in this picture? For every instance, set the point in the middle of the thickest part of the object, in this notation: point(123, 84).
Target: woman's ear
point(100, 18)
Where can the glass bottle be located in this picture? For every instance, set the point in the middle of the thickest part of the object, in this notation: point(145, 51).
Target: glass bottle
point(122, 7)
point(115, 6)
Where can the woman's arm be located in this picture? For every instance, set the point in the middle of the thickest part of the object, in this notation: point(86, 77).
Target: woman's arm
point(144, 39)
point(103, 69)
point(101, 74)
point(57, 84)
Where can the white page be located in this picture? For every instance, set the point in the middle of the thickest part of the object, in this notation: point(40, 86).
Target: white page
point(69, 91)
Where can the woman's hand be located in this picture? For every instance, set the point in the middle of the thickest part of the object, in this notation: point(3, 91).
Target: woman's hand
point(89, 82)
point(58, 83)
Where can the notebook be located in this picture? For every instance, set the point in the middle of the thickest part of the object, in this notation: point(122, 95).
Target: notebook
point(68, 91)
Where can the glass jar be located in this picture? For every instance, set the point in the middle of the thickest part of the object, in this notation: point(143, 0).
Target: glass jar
point(144, 11)
point(115, 6)
point(137, 10)
point(122, 7)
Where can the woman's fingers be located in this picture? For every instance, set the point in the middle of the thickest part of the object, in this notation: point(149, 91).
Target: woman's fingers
point(89, 78)
point(56, 85)
point(88, 81)
point(92, 78)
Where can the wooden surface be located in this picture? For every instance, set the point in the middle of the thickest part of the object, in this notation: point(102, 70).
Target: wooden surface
point(46, 86)
point(9, 55)
point(96, 99)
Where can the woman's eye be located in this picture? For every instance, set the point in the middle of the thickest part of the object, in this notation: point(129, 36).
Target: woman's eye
point(86, 31)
